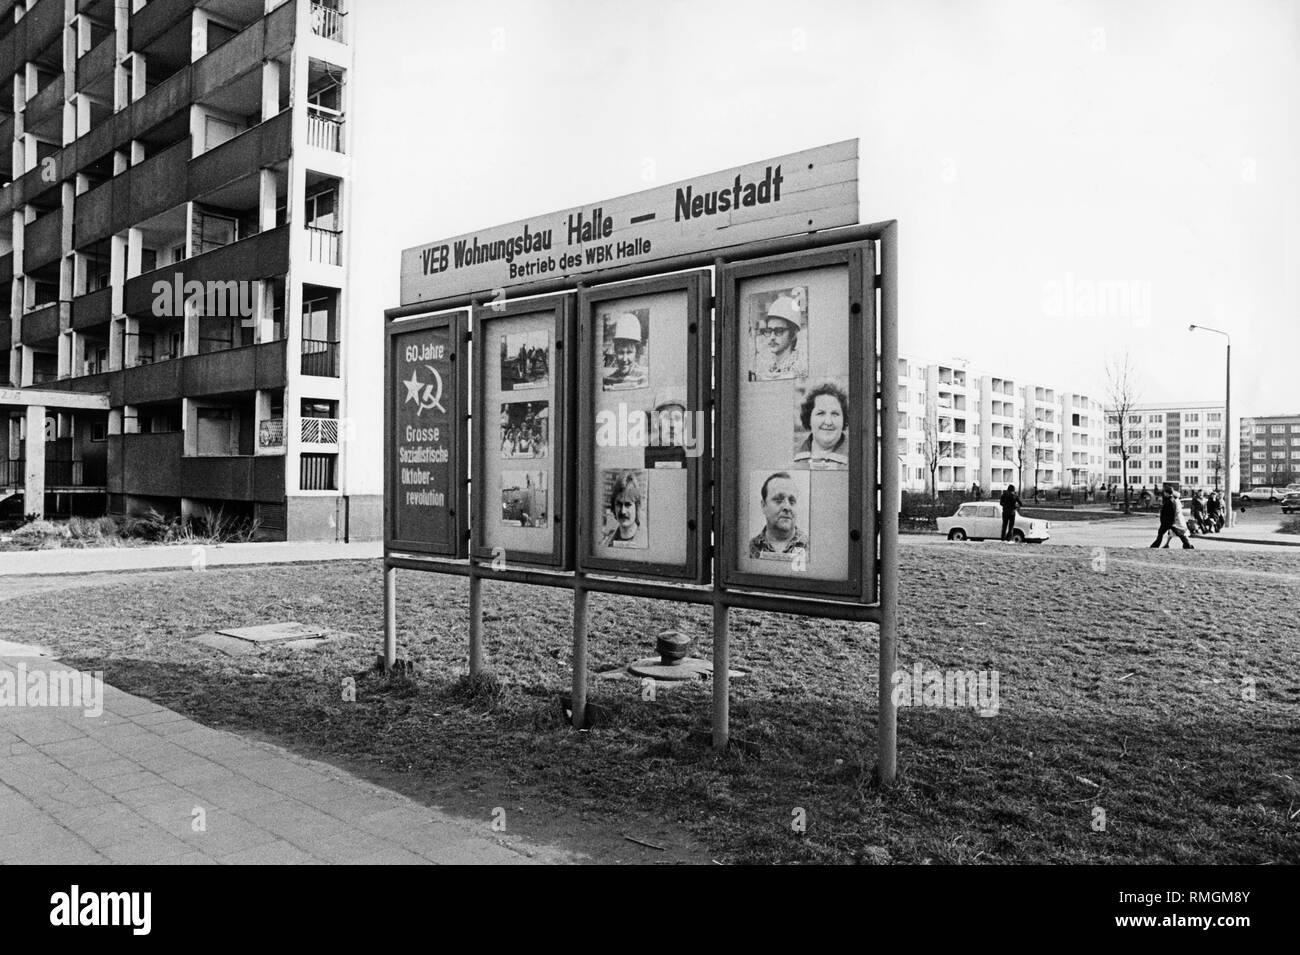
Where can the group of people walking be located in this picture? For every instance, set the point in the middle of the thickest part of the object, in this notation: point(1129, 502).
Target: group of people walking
point(1207, 517)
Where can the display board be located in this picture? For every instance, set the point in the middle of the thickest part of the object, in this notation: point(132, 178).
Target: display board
point(644, 427)
point(522, 462)
point(797, 452)
point(787, 195)
point(426, 504)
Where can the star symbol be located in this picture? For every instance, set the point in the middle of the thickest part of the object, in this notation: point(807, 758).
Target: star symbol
point(413, 388)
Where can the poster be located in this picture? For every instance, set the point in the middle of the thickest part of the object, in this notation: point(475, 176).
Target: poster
point(794, 427)
point(425, 474)
point(647, 437)
point(519, 457)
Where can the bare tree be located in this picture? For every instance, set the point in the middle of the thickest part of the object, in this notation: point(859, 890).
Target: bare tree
point(1122, 395)
point(1027, 447)
point(930, 449)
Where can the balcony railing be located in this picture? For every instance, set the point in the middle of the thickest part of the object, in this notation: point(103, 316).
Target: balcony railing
point(324, 131)
point(327, 22)
point(270, 434)
point(320, 431)
point(57, 474)
point(320, 358)
point(316, 472)
point(324, 245)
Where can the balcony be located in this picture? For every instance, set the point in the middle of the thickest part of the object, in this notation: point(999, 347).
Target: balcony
point(238, 478)
point(324, 131)
point(92, 309)
point(43, 241)
point(259, 256)
point(327, 22)
point(260, 146)
point(316, 472)
point(98, 61)
point(235, 369)
point(320, 358)
point(43, 324)
point(146, 464)
point(320, 431)
point(325, 245)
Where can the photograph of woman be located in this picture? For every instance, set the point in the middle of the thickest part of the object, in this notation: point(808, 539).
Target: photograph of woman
point(821, 439)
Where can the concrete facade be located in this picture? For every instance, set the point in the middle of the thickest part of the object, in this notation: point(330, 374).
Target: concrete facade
point(1181, 443)
point(1270, 451)
point(173, 236)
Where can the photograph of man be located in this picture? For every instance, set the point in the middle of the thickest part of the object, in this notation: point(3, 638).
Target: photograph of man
point(780, 339)
point(624, 354)
point(525, 360)
point(626, 518)
point(780, 537)
point(821, 441)
point(524, 429)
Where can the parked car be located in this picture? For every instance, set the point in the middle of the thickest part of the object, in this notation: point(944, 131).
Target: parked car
point(1291, 503)
point(1260, 495)
point(979, 521)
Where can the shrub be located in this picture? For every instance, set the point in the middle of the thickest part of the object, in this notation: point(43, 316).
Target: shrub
point(39, 529)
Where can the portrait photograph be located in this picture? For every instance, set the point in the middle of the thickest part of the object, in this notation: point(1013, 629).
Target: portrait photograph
point(822, 421)
point(625, 508)
point(525, 429)
point(672, 430)
point(625, 349)
point(524, 500)
point(777, 327)
point(779, 515)
point(525, 360)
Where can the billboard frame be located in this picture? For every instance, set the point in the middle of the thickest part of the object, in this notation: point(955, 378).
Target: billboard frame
point(457, 322)
point(698, 286)
point(887, 483)
point(860, 584)
point(561, 308)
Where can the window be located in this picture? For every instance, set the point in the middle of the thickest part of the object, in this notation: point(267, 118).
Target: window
point(1192, 449)
point(320, 210)
point(99, 431)
point(1191, 416)
point(1155, 449)
point(215, 231)
point(1156, 419)
point(1214, 432)
point(1214, 416)
point(1192, 465)
point(217, 131)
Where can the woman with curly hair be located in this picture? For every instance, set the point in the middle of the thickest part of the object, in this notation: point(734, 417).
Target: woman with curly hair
point(824, 413)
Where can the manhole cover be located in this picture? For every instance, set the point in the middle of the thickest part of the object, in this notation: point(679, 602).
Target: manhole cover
point(688, 668)
point(275, 632)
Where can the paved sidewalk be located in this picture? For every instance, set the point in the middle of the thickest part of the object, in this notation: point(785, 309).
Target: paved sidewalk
point(66, 560)
point(133, 784)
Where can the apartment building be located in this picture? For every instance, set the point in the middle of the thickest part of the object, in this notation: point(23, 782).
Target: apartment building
point(1180, 443)
point(1270, 450)
point(173, 240)
point(993, 431)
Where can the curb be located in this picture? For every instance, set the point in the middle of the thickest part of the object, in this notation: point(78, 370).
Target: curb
point(1248, 540)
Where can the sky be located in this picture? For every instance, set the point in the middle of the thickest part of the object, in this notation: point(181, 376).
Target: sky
point(1072, 180)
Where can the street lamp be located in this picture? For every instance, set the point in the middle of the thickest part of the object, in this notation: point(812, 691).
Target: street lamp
point(1227, 414)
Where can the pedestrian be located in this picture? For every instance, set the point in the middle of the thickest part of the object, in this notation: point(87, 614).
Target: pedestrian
point(1171, 520)
point(1200, 512)
point(1214, 511)
point(1010, 502)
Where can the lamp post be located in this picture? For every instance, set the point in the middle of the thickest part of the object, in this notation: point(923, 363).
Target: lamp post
point(1227, 414)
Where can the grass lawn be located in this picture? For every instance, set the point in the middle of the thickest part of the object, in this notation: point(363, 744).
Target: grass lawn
point(1121, 687)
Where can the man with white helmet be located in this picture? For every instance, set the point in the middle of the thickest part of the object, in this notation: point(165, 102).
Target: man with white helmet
point(629, 340)
point(779, 354)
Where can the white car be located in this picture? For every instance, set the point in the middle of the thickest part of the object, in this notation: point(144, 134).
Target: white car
point(1263, 494)
point(977, 520)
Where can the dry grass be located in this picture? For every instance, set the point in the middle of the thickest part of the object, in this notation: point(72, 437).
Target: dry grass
point(1120, 689)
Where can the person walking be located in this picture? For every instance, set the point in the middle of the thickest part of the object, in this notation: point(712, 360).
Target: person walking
point(1214, 511)
point(1171, 520)
point(1010, 502)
